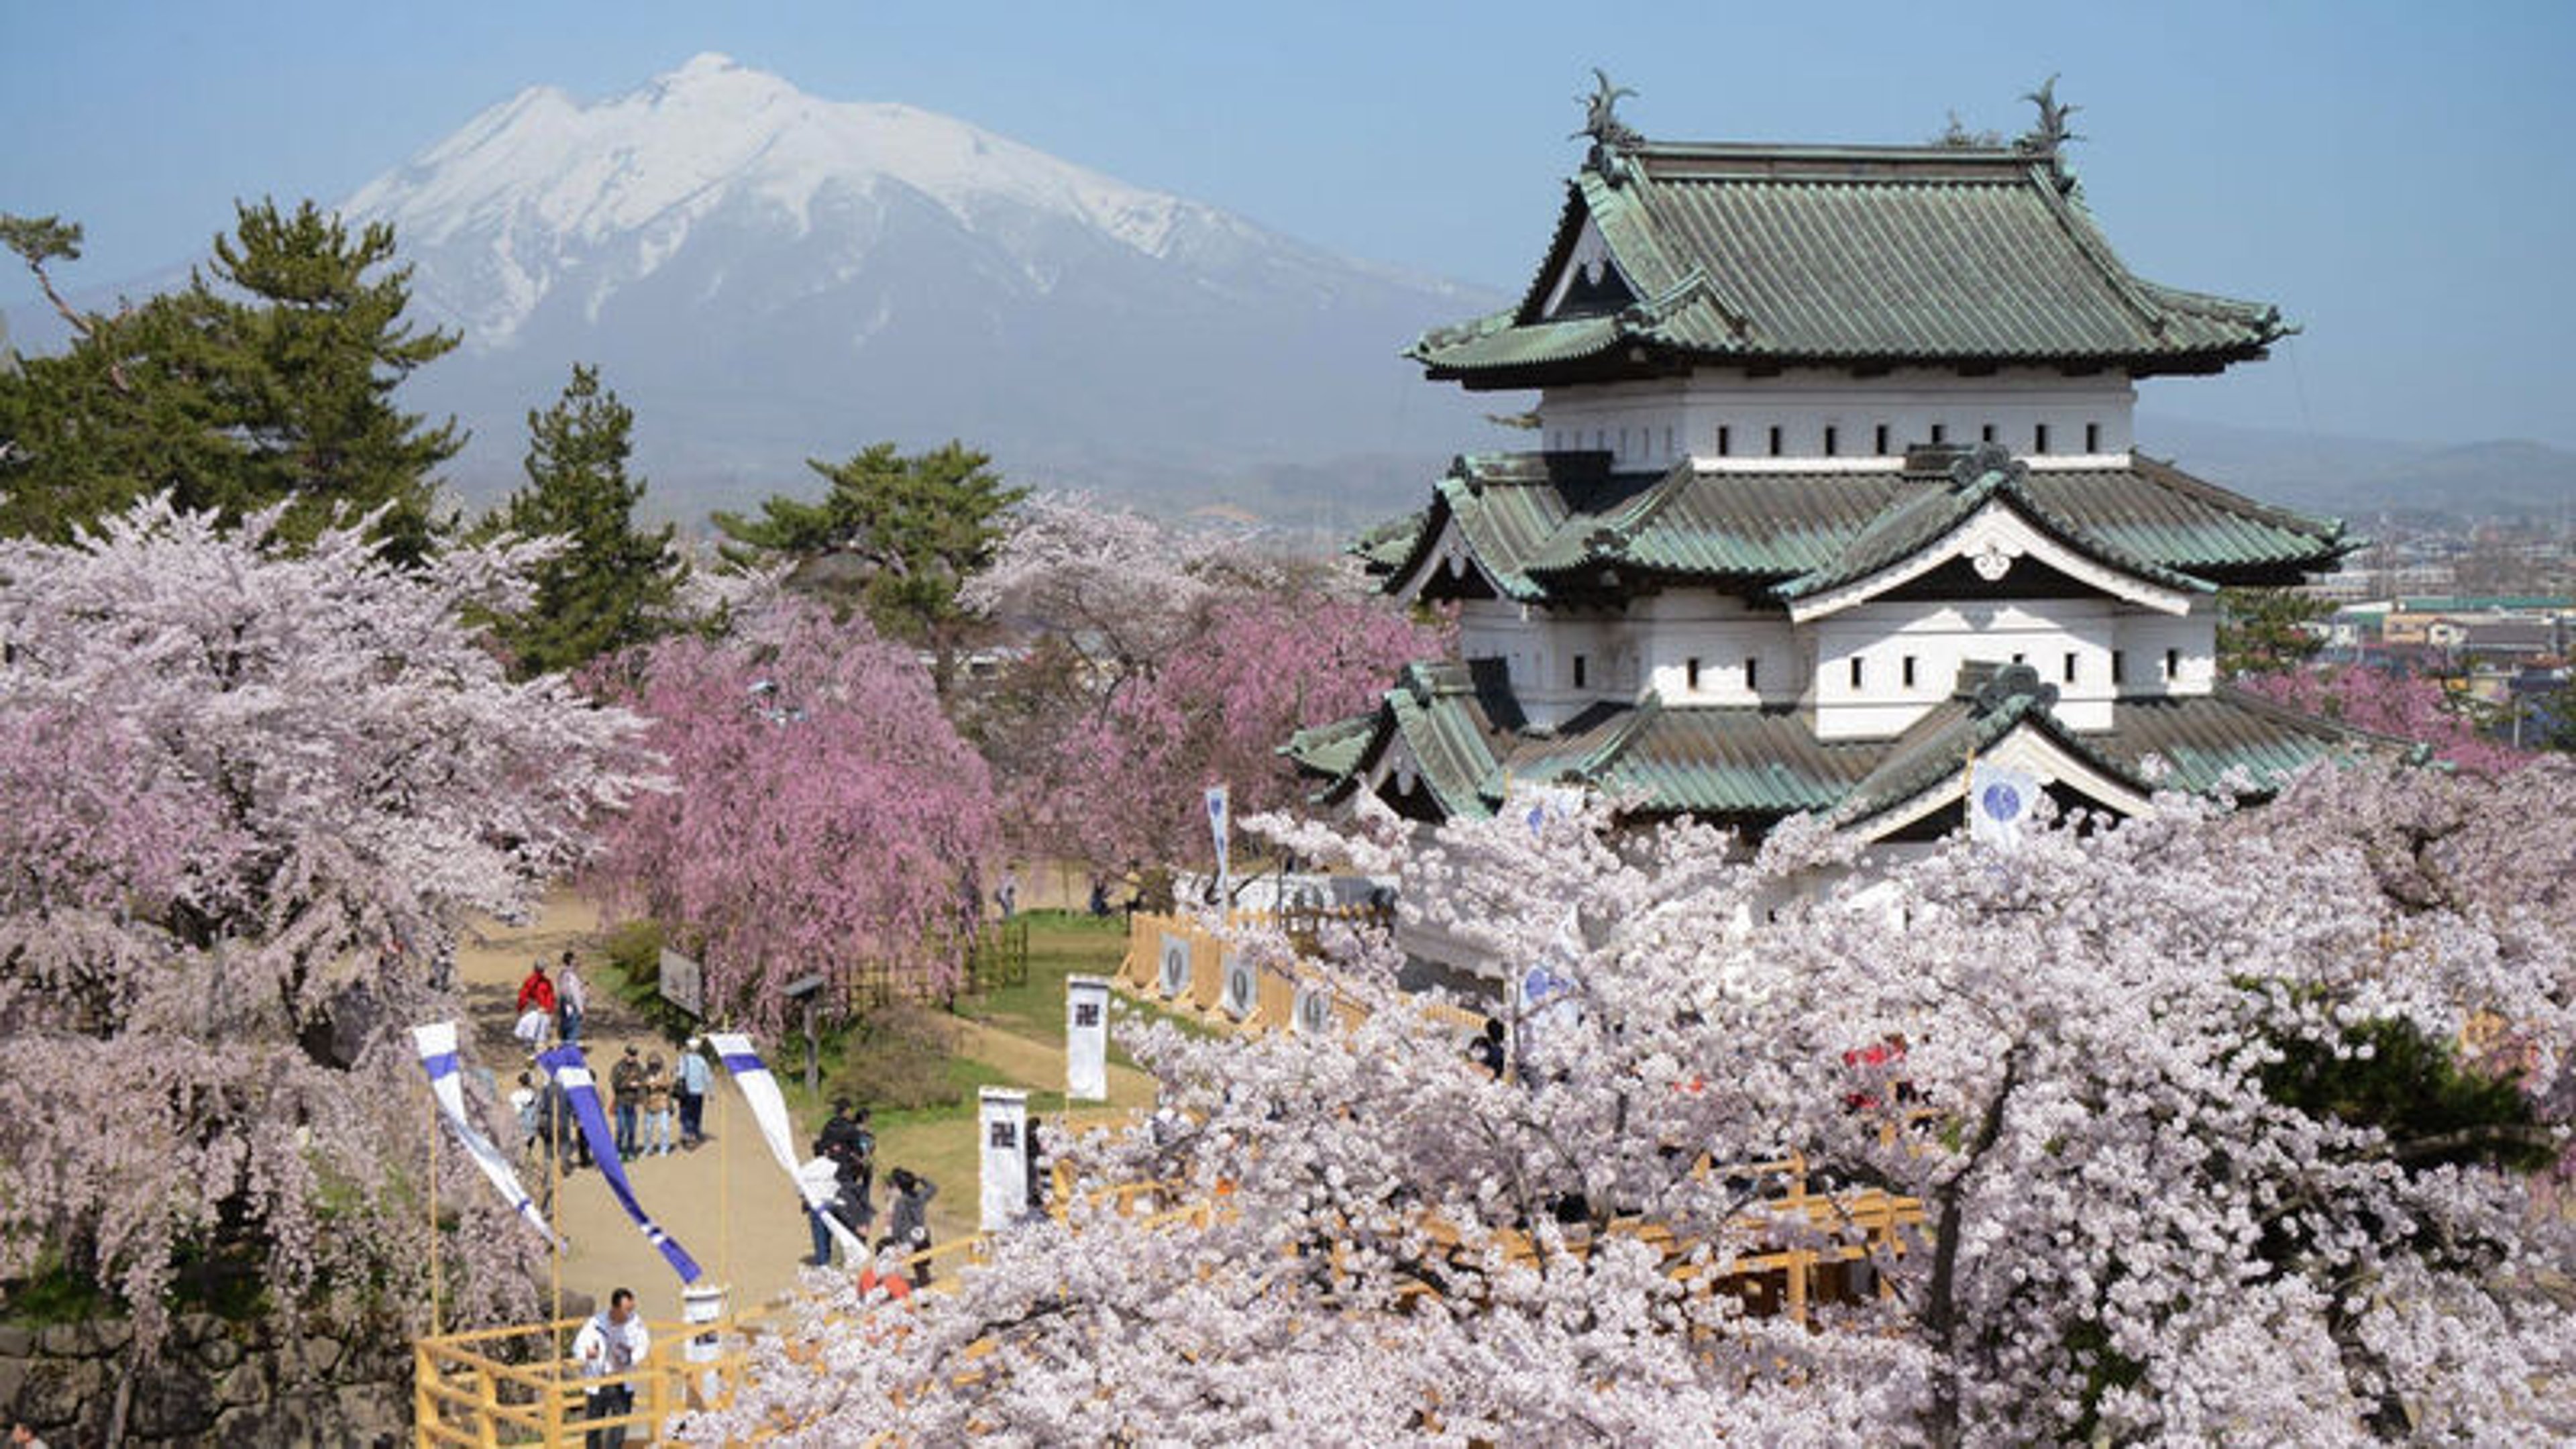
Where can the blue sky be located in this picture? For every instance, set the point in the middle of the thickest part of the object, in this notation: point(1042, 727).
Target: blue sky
point(2398, 178)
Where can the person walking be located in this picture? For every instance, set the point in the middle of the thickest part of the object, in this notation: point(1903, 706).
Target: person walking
point(908, 1219)
point(657, 1110)
point(626, 1083)
point(574, 1000)
point(536, 1006)
point(819, 1177)
point(523, 1102)
point(696, 1077)
point(1008, 897)
point(612, 1342)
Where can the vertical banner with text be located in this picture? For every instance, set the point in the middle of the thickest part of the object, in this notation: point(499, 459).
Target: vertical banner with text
point(1219, 812)
point(1002, 1126)
point(1086, 1039)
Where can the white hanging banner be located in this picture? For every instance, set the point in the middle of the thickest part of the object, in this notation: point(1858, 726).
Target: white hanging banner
point(438, 1056)
point(2001, 799)
point(769, 1109)
point(1002, 1125)
point(1086, 1039)
point(1313, 1014)
point(1218, 812)
point(1241, 987)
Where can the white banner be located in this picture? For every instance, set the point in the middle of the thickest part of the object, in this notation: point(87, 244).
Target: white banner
point(437, 1043)
point(1174, 974)
point(1002, 1125)
point(769, 1109)
point(1218, 812)
point(1086, 1039)
point(1313, 1014)
point(1240, 992)
point(2001, 799)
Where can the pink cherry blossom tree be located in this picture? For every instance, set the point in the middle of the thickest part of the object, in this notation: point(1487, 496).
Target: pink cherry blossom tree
point(246, 797)
point(2197, 1157)
point(826, 817)
point(1168, 659)
point(2408, 706)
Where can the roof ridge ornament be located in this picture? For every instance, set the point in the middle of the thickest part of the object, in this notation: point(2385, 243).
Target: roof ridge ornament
point(1984, 459)
point(1609, 134)
point(2049, 137)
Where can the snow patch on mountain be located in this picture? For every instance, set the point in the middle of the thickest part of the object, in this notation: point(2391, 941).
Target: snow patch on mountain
point(547, 189)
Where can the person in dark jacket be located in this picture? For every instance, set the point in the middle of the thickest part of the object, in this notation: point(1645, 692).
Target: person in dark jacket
point(908, 1218)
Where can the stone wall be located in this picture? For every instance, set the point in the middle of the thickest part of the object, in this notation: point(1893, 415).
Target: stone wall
point(214, 1383)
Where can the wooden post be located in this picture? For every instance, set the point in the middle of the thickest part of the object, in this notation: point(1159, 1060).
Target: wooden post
point(488, 1420)
point(434, 1284)
point(424, 1367)
point(813, 1078)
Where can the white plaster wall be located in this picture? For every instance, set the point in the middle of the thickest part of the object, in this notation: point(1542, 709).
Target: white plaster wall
point(1650, 646)
point(2193, 638)
point(1940, 638)
point(1656, 424)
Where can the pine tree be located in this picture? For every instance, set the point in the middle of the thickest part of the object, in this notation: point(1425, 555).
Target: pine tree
point(613, 582)
point(897, 535)
point(268, 378)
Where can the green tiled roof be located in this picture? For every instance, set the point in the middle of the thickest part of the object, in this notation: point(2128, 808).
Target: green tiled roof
point(1777, 255)
point(1547, 522)
point(1914, 523)
point(1760, 764)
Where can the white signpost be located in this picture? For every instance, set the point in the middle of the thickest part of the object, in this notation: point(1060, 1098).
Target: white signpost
point(1241, 987)
point(1003, 1128)
point(1086, 1039)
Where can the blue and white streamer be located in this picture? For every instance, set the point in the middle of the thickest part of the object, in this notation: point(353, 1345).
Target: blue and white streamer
point(769, 1109)
point(437, 1043)
point(572, 1073)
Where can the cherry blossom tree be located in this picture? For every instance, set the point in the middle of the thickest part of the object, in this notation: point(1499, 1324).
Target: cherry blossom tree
point(2196, 1153)
point(826, 818)
point(1168, 659)
point(2405, 705)
point(246, 798)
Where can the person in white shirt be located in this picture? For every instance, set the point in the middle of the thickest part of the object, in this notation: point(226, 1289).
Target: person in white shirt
point(613, 1341)
point(572, 1002)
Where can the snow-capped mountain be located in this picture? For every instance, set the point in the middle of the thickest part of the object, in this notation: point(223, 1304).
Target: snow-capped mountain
point(768, 276)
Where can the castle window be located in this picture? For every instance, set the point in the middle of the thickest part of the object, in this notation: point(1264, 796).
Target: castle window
point(2017, 659)
point(1579, 663)
point(1668, 442)
point(1909, 671)
point(1855, 671)
point(1775, 440)
point(1986, 434)
point(2070, 666)
point(2173, 665)
point(1878, 440)
point(2119, 667)
point(1752, 674)
point(1690, 673)
point(1940, 434)
point(1725, 440)
point(1623, 442)
point(1833, 440)
point(2092, 437)
point(1600, 441)
point(2039, 438)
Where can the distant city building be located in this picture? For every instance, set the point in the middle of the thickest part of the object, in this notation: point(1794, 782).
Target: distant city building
point(1835, 491)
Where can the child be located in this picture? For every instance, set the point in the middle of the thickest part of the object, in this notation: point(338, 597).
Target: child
point(657, 1109)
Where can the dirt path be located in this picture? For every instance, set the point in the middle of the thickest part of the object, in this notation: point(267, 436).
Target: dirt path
point(727, 1202)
